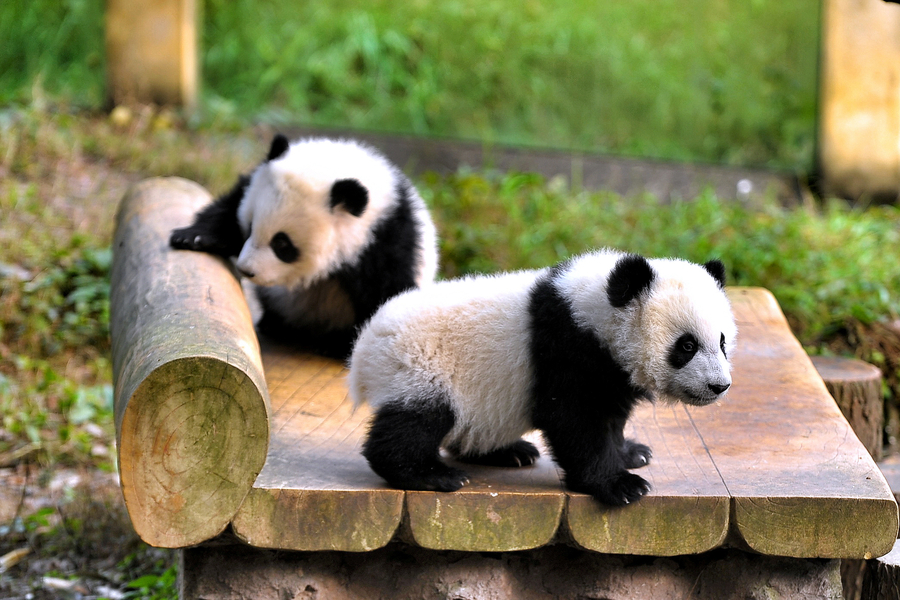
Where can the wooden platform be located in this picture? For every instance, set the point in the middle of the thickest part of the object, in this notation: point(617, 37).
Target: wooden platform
point(775, 463)
point(215, 435)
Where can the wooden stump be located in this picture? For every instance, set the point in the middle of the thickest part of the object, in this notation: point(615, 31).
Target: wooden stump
point(151, 51)
point(882, 578)
point(191, 403)
point(856, 387)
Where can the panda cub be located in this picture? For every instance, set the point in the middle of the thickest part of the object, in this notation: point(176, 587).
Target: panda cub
point(326, 231)
point(472, 364)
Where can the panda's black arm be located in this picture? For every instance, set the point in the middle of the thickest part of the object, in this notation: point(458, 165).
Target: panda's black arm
point(215, 229)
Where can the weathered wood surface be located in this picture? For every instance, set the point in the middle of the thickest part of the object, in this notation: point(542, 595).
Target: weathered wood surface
point(881, 580)
point(191, 403)
point(856, 387)
point(802, 483)
point(775, 462)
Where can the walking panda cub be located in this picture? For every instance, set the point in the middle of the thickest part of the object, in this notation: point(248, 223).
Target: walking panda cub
point(472, 364)
point(326, 231)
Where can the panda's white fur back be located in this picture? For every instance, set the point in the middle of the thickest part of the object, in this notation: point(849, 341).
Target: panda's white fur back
point(445, 339)
point(468, 341)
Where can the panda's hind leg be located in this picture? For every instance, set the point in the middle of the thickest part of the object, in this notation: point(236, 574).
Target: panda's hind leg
point(403, 446)
point(518, 454)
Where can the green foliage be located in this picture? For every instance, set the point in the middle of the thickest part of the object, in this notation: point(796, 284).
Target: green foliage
point(162, 585)
point(54, 417)
point(667, 79)
point(826, 266)
point(65, 305)
point(52, 47)
point(672, 79)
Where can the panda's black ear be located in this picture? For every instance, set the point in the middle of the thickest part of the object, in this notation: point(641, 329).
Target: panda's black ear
point(717, 270)
point(629, 278)
point(350, 194)
point(278, 148)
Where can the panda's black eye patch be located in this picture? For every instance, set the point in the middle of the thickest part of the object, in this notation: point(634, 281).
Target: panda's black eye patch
point(284, 248)
point(722, 345)
point(683, 350)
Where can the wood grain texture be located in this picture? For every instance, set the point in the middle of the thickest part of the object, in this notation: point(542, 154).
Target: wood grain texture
point(687, 510)
point(881, 579)
point(500, 510)
point(191, 406)
point(316, 491)
point(856, 387)
point(802, 484)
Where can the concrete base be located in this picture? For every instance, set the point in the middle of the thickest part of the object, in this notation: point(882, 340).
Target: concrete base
point(400, 572)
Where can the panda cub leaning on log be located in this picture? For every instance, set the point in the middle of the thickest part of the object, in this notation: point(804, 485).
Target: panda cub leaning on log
point(472, 364)
point(326, 231)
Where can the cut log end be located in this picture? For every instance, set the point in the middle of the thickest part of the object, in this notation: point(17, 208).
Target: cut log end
point(856, 387)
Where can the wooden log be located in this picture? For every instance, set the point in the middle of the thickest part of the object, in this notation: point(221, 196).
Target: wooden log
point(882, 577)
point(859, 99)
point(191, 404)
point(856, 387)
point(151, 51)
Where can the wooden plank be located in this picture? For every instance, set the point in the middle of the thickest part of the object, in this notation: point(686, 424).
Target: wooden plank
point(316, 491)
point(686, 512)
point(191, 404)
point(500, 510)
point(802, 483)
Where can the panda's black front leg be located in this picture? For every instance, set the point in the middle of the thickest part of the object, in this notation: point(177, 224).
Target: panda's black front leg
point(403, 445)
point(595, 458)
point(215, 229)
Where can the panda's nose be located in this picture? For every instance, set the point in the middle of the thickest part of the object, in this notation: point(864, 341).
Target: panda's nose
point(718, 388)
point(246, 273)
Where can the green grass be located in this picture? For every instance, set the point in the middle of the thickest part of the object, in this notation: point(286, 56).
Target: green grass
point(710, 80)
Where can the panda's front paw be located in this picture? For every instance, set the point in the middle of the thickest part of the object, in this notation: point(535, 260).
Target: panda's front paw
point(623, 489)
point(191, 238)
point(635, 455)
point(440, 479)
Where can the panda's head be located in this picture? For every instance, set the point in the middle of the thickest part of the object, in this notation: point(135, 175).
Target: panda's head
point(676, 328)
point(308, 209)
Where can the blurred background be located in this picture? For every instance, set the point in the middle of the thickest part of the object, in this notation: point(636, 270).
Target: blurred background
point(763, 132)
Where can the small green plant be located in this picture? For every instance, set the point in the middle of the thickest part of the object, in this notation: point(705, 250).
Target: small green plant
point(155, 586)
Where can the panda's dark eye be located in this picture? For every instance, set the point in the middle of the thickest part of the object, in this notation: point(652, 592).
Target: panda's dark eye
point(284, 248)
point(683, 350)
point(722, 345)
